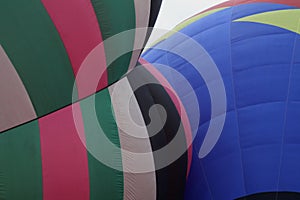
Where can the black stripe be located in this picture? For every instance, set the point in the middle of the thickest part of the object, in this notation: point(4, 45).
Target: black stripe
point(170, 180)
point(155, 7)
point(273, 196)
point(154, 10)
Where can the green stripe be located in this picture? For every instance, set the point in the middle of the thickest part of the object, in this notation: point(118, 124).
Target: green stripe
point(114, 17)
point(286, 19)
point(34, 46)
point(20, 163)
point(105, 183)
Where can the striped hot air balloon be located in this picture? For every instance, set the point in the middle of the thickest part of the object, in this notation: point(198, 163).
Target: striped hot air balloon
point(255, 47)
point(65, 155)
point(68, 134)
point(44, 43)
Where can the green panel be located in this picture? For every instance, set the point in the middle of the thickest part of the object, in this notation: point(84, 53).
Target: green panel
point(34, 46)
point(286, 19)
point(20, 163)
point(105, 183)
point(115, 17)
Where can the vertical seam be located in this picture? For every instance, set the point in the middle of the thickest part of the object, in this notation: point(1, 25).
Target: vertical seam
point(234, 94)
point(286, 109)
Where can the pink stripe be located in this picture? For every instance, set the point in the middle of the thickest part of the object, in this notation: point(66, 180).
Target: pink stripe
point(79, 30)
point(179, 106)
point(64, 157)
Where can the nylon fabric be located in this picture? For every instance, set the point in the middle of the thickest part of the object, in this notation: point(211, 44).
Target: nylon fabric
point(77, 25)
point(19, 108)
point(179, 106)
point(142, 10)
point(137, 185)
point(35, 49)
point(64, 157)
point(103, 179)
point(171, 179)
point(114, 19)
point(259, 65)
point(21, 165)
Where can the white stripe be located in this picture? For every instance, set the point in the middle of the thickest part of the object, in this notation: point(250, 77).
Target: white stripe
point(142, 16)
point(136, 185)
point(15, 104)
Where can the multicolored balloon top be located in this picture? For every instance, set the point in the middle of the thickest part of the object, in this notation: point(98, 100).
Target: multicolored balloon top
point(66, 134)
point(44, 44)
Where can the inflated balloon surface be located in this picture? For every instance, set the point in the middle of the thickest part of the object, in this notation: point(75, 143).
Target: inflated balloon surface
point(46, 111)
point(255, 45)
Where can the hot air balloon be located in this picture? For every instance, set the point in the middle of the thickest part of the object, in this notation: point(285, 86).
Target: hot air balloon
point(254, 45)
point(64, 132)
point(59, 36)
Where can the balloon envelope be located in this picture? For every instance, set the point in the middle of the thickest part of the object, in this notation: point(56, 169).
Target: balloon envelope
point(44, 43)
point(59, 138)
point(255, 46)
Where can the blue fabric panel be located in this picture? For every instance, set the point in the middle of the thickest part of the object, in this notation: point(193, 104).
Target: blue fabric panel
point(263, 45)
point(261, 166)
point(295, 80)
point(261, 124)
point(297, 50)
point(266, 84)
point(260, 131)
point(223, 167)
point(290, 169)
point(292, 129)
point(289, 173)
point(295, 74)
point(260, 64)
point(197, 181)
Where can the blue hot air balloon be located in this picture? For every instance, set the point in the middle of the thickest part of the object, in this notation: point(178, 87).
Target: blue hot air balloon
point(255, 47)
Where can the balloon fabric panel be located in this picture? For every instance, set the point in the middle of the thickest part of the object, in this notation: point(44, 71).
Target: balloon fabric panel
point(21, 166)
point(45, 68)
point(258, 60)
